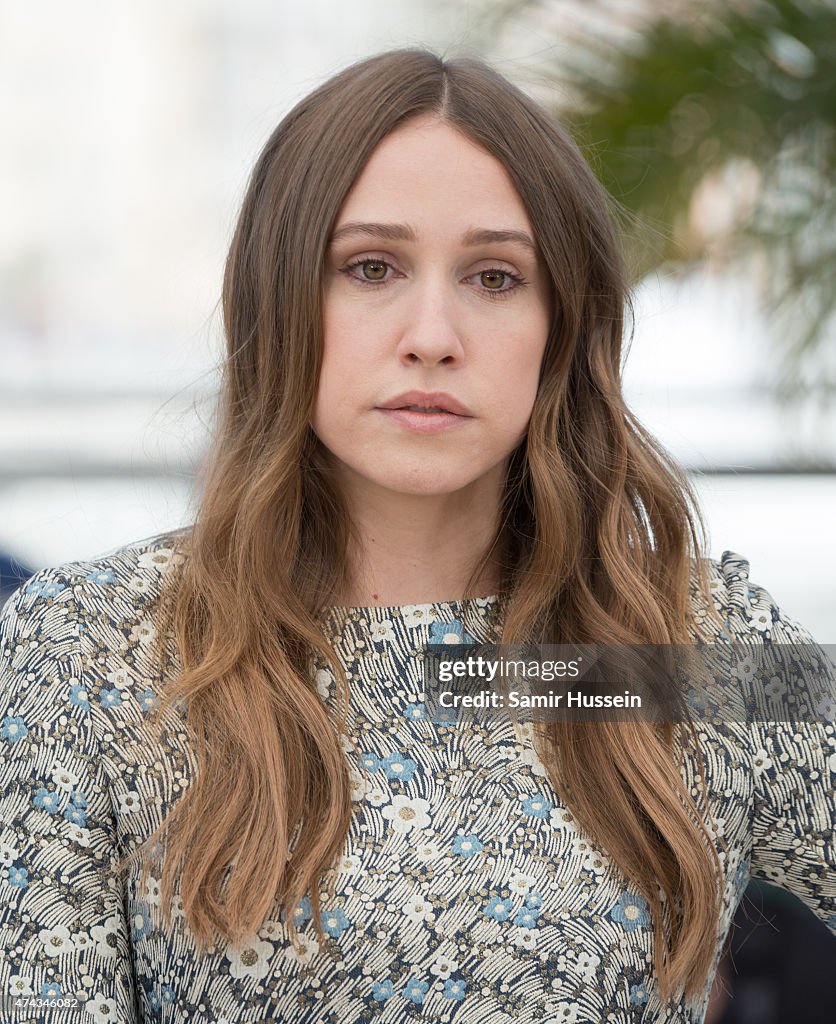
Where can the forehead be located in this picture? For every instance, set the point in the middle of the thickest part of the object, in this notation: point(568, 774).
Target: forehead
point(427, 170)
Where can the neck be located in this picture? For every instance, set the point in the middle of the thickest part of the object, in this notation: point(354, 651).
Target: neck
point(417, 549)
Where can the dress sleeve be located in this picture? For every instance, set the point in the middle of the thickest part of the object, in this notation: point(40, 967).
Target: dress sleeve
point(64, 941)
point(793, 765)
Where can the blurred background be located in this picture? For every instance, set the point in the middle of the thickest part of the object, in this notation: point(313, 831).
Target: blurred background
point(129, 132)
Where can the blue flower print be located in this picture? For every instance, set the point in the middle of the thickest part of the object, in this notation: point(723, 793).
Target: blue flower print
point(147, 700)
point(399, 767)
point(467, 846)
point(140, 921)
point(111, 698)
point(78, 696)
point(631, 911)
point(383, 990)
point(13, 728)
point(79, 799)
point(526, 917)
point(167, 995)
point(638, 994)
point(101, 576)
point(537, 806)
point(371, 762)
point(77, 815)
point(154, 1000)
point(303, 912)
point(455, 988)
point(534, 900)
point(498, 909)
point(335, 922)
point(18, 877)
point(46, 799)
point(452, 632)
point(415, 712)
point(44, 588)
point(51, 990)
point(445, 716)
point(415, 990)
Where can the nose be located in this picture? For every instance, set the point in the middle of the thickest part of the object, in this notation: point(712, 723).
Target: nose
point(431, 332)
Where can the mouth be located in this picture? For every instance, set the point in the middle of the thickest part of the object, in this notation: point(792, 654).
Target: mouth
point(424, 403)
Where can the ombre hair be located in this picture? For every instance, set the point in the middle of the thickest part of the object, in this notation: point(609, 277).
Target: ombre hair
point(599, 537)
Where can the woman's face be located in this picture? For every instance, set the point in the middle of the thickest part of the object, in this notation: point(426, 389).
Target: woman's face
point(434, 297)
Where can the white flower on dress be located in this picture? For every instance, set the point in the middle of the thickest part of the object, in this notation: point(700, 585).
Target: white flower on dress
point(20, 985)
point(177, 910)
point(8, 854)
point(761, 762)
point(349, 864)
point(415, 614)
point(775, 688)
point(82, 940)
point(377, 796)
point(565, 1013)
point(745, 670)
point(520, 883)
point(560, 818)
point(324, 681)
point(360, 785)
point(144, 632)
point(130, 802)
point(119, 677)
point(776, 874)
point(407, 813)
point(107, 938)
point(530, 757)
point(56, 941)
point(593, 861)
point(826, 708)
point(444, 966)
point(250, 959)
point(139, 585)
point(383, 631)
point(427, 851)
point(587, 965)
point(152, 892)
point(761, 619)
point(303, 951)
point(79, 835)
point(64, 778)
point(161, 559)
point(418, 909)
point(526, 938)
point(101, 1009)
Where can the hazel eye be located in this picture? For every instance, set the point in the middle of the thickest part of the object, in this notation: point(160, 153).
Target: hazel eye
point(372, 270)
point(493, 279)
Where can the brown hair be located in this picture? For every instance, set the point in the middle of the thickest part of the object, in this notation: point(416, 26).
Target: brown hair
point(598, 530)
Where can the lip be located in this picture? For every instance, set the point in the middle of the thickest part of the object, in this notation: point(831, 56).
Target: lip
point(434, 399)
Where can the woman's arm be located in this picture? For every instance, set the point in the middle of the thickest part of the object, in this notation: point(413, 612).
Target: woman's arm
point(793, 763)
point(64, 939)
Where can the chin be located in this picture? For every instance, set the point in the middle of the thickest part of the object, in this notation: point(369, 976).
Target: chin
point(425, 481)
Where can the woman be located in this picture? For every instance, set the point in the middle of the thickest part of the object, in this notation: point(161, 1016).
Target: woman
point(422, 438)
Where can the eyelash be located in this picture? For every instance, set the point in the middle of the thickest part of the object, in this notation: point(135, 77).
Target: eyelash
point(492, 293)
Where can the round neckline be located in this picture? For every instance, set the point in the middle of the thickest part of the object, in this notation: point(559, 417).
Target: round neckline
point(456, 602)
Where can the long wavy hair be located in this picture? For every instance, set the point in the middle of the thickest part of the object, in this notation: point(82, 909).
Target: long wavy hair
point(599, 534)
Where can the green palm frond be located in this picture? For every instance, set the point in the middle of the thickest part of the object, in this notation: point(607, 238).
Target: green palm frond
point(664, 113)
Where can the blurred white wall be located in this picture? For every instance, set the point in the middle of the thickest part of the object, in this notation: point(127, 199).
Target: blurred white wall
point(129, 132)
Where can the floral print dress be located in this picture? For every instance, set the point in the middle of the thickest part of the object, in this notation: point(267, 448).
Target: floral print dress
point(465, 893)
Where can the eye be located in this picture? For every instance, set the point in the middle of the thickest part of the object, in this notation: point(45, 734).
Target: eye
point(374, 271)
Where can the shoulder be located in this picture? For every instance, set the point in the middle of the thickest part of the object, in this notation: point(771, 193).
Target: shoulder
point(738, 609)
point(114, 586)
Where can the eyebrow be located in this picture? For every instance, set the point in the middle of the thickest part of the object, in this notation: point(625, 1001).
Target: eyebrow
point(405, 233)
